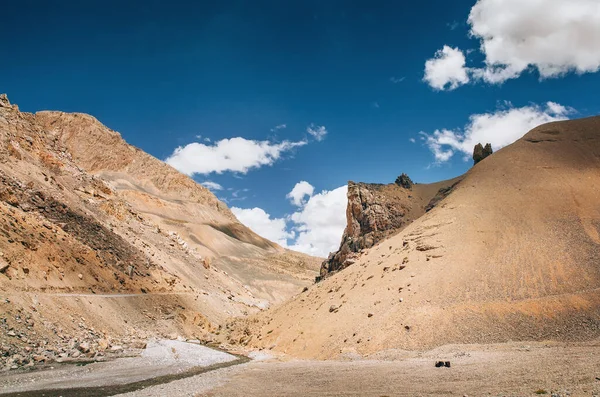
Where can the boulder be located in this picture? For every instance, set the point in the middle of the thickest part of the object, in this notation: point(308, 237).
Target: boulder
point(480, 152)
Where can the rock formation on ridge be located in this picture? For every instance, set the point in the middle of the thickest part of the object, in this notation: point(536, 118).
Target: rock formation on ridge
point(376, 211)
point(480, 152)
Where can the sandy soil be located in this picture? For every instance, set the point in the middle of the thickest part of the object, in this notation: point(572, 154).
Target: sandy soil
point(513, 369)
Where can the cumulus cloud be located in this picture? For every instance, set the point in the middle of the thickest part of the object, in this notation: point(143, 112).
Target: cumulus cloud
point(212, 185)
point(235, 154)
point(320, 223)
point(446, 70)
point(500, 128)
point(274, 229)
point(315, 228)
point(317, 131)
point(554, 37)
point(299, 192)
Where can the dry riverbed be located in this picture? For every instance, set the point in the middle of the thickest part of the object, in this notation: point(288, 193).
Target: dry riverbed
point(161, 362)
point(511, 369)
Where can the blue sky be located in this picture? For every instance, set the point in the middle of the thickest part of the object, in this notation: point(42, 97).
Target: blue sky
point(168, 74)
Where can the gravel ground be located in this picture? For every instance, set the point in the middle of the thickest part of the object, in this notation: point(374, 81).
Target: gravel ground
point(192, 386)
point(161, 358)
point(554, 370)
point(512, 369)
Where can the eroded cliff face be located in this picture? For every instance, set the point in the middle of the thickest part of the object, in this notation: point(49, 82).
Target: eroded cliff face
point(377, 211)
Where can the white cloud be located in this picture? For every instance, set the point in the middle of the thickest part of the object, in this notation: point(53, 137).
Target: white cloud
point(300, 190)
point(412, 140)
point(446, 70)
point(315, 229)
point(235, 154)
point(274, 229)
point(212, 185)
point(279, 127)
point(397, 80)
point(554, 37)
point(453, 25)
point(500, 128)
point(321, 222)
point(317, 131)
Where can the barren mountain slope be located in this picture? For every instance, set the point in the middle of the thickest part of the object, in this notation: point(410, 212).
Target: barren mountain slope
point(513, 253)
point(99, 240)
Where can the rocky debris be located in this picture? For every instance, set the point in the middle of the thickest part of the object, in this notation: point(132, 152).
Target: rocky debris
point(440, 364)
point(5, 103)
point(404, 181)
point(27, 347)
point(333, 308)
point(206, 263)
point(111, 249)
point(480, 152)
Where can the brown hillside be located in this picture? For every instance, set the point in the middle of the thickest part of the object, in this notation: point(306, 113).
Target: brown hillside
point(513, 253)
point(99, 240)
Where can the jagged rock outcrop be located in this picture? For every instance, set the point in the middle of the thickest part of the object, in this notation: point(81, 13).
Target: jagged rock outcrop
point(377, 211)
point(371, 215)
point(404, 181)
point(480, 152)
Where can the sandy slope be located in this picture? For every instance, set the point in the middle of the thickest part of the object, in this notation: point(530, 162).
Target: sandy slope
point(512, 254)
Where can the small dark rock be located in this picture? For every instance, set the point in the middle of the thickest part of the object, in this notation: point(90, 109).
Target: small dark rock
point(480, 152)
point(404, 181)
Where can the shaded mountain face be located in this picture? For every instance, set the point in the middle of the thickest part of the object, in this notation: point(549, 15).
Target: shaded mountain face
point(100, 240)
point(512, 253)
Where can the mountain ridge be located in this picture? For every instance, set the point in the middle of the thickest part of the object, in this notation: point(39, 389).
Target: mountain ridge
point(93, 228)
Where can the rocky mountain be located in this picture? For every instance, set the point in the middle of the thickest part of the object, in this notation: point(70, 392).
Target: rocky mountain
point(512, 253)
point(103, 245)
point(376, 211)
